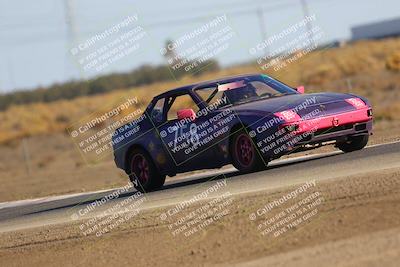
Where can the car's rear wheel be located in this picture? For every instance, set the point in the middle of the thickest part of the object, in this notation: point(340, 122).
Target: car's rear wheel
point(143, 172)
point(244, 155)
point(354, 143)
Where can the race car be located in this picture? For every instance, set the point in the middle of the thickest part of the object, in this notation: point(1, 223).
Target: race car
point(245, 120)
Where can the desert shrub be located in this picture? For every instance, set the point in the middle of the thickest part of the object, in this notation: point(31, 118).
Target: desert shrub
point(142, 76)
point(393, 62)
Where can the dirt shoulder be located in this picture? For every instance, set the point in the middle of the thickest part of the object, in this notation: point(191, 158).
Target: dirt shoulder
point(375, 249)
point(364, 207)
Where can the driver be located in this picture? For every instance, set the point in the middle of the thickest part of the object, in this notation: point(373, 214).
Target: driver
point(240, 94)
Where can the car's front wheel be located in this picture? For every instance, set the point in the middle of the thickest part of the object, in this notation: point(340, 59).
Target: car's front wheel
point(244, 155)
point(143, 172)
point(354, 143)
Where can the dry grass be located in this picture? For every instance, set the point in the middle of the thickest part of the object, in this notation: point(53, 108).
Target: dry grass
point(369, 68)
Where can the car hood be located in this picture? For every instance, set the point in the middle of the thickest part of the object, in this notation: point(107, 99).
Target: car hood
point(302, 103)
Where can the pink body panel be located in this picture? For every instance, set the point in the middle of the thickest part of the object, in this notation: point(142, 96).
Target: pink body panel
point(186, 113)
point(300, 89)
point(356, 116)
point(288, 116)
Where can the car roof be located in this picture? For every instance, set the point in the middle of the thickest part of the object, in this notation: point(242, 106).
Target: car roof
point(186, 88)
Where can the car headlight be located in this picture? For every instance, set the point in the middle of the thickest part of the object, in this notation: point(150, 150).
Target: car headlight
point(356, 102)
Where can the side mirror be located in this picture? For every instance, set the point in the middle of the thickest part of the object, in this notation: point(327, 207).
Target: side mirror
point(300, 89)
point(186, 113)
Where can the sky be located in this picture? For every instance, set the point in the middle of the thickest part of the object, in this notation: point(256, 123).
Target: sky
point(37, 37)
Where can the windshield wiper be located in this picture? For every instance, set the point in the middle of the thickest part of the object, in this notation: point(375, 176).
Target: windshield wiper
point(280, 94)
point(253, 98)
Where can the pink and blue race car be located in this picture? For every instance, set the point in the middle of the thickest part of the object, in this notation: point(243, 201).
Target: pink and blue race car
point(245, 120)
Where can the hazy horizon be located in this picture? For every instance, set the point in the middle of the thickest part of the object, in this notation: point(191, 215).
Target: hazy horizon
point(37, 37)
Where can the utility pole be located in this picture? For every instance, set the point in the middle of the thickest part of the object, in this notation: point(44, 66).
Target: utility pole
point(260, 15)
point(10, 74)
point(306, 13)
point(70, 20)
point(27, 160)
point(71, 31)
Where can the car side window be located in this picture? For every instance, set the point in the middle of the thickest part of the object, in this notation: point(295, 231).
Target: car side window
point(180, 102)
point(157, 114)
point(209, 95)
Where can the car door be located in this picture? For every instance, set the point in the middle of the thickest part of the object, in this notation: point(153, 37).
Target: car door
point(186, 140)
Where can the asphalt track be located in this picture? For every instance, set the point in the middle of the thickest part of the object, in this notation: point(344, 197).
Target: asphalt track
point(280, 173)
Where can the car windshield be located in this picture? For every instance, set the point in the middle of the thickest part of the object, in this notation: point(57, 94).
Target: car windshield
point(242, 90)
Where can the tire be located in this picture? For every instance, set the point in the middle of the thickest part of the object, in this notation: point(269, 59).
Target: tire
point(143, 173)
point(354, 143)
point(244, 155)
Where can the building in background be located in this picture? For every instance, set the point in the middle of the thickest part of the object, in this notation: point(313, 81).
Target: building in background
point(376, 30)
